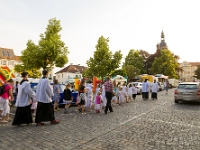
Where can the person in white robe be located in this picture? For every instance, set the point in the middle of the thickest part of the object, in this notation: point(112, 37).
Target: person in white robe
point(89, 96)
point(145, 90)
point(23, 103)
point(44, 93)
point(103, 97)
point(154, 90)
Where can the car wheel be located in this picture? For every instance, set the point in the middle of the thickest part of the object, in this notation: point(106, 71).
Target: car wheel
point(176, 101)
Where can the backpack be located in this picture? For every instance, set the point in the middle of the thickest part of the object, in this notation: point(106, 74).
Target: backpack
point(2, 89)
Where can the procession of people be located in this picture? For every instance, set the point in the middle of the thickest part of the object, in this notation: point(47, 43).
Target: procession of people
point(39, 104)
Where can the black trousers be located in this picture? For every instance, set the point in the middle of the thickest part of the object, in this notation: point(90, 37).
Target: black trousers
point(145, 95)
point(154, 95)
point(108, 104)
point(134, 96)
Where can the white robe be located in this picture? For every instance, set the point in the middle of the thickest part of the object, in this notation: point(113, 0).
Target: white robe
point(44, 91)
point(145, 87)
point(25, 93)
point(154, 87)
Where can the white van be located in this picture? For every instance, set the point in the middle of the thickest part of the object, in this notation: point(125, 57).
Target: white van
point(173, 82)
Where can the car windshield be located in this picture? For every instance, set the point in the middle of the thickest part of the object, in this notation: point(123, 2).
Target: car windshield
point(187, 86)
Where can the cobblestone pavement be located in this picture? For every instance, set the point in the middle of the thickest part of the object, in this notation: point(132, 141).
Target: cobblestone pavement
point(139, 125)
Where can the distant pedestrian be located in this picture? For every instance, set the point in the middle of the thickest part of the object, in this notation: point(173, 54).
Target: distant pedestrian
point(145, 90)
point(109, 93)
point(82, 97)
point(24, 99)
point(134, 92)
point(4, 101)
point(98, 102)
point(68, 98)
point(130, 92)
point(121, 95)
point(154, 90)
point(45, 111)
point(56, 97)
point(166, 86)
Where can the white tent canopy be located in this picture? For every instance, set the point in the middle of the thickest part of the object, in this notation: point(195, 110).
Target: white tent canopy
point(119, 78)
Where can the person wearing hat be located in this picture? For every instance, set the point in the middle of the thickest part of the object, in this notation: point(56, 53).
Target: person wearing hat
point(23, 102)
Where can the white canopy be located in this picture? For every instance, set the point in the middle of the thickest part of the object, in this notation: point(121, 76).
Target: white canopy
point(119, 78)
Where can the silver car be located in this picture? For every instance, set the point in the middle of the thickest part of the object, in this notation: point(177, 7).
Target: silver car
point(187, 91)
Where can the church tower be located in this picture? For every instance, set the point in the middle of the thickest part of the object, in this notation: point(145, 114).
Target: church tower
point(162, 44)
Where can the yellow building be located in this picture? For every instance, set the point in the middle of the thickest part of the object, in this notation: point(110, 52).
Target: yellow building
point(188, 71)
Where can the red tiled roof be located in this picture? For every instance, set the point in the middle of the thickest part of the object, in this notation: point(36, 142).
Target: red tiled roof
point(194, 63)
point(72, 69)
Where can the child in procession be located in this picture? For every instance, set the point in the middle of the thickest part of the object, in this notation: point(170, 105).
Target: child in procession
point(134, 92)
point(67, 97)
point(121, 96)
point(98, 102)
point(130, 89)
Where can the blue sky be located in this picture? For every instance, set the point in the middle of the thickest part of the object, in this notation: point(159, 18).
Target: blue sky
point(129, 24)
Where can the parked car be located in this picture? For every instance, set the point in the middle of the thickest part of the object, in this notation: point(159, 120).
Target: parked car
point(61, 88)
point(187, 91)
point(138, 85)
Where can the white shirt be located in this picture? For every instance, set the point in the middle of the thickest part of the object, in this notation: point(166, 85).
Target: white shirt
point(25, 93)
point(44, 91)
point(134, 90)
point(145, 87)
point(154, 87)
point(130, 90)
point(124, 89)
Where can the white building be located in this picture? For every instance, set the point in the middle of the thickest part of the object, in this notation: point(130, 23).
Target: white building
point(69, 73)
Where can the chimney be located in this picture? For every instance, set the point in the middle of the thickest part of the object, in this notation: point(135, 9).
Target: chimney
point(78, 64)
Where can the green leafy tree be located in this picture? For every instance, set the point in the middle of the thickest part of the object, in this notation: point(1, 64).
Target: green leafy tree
point(33, 73)
point(87, 73)
point(134, 59)
point(104, 61)
point(121, 72)
point(197, 73)
point(165, 64)
point(131, 71)
point(50, 51)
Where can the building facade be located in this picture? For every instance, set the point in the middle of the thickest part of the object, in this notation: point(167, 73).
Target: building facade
point(70, 72)
point(9, 59)
point(188, 71)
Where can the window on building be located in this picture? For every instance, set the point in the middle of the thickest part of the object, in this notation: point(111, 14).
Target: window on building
point(3, 62)
point(79, 76)
point(58, 76)
point(4, 53)
point(62, 75)
point(11, 63)
point(8, 53)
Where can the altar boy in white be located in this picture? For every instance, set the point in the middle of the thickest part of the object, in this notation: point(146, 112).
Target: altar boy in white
point(45, 111)
point(154, 90)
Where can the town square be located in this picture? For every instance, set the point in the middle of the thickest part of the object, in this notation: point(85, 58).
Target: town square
point(96, 74)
